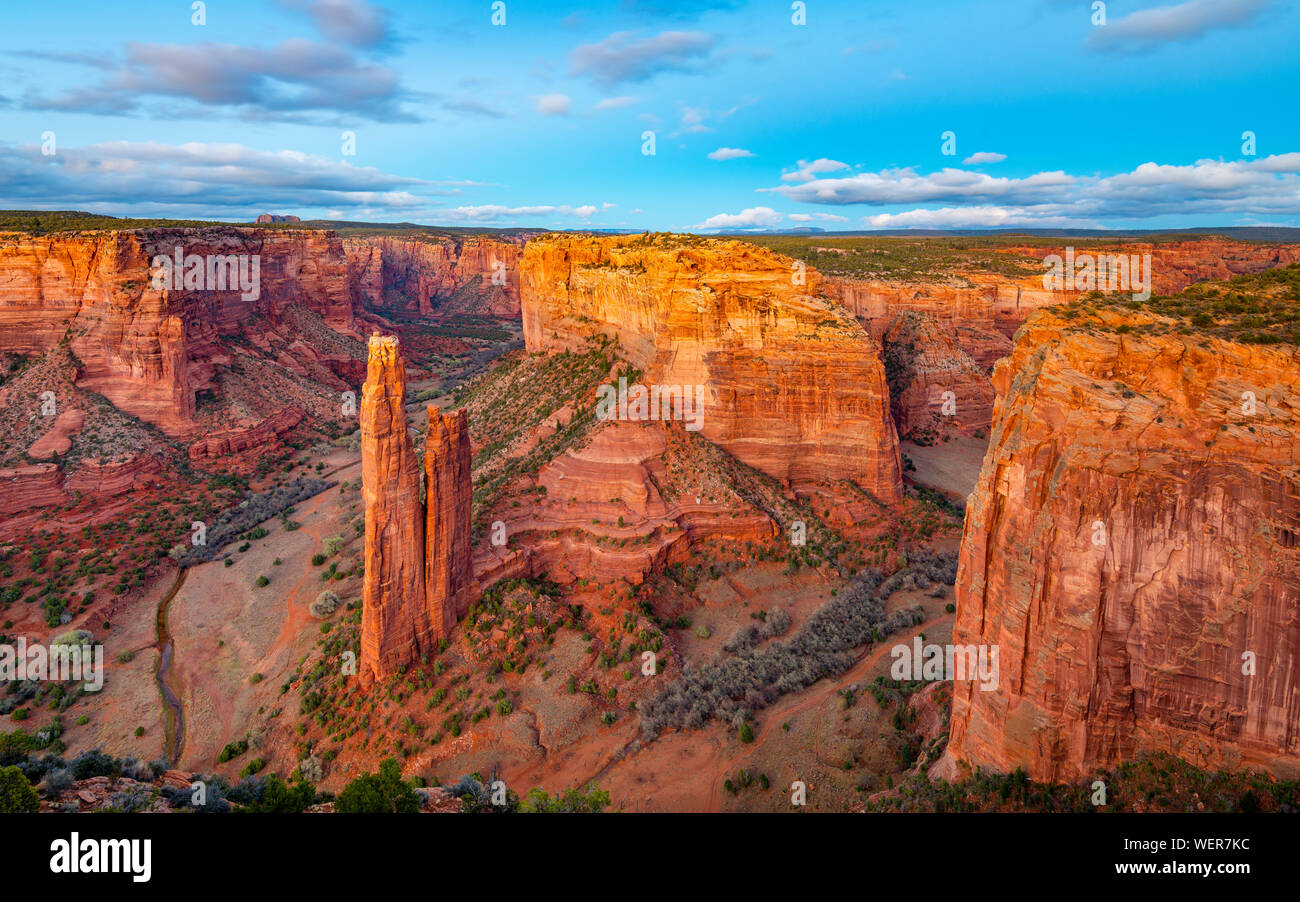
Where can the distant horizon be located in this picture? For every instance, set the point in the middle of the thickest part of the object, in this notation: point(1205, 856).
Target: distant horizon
point(1256, 233)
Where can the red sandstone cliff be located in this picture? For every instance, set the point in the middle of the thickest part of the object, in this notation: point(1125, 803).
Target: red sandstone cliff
point(1135, 532)
point(474, 276)
point(792, 386)
point(150, 350)
point(934, 384)
point(395, 624)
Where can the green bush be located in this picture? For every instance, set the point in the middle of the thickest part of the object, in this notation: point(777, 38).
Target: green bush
point(17, 795)
point(382, 793)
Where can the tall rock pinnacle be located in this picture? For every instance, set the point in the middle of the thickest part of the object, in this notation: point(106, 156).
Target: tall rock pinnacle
point(449, 493)
point(395, 625)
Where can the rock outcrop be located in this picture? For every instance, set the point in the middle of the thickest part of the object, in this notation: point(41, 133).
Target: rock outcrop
point(243, 438)
point(1133, 551)
point(449, 493)
point(417, 556)
point(790, 383)
point(395, 624)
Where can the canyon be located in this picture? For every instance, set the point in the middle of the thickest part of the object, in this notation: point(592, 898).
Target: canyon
point(1095, 416)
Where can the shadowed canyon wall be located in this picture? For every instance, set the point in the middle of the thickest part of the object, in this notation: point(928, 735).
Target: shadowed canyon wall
point(1132, 545)
point(477, 276)
point(792, 385)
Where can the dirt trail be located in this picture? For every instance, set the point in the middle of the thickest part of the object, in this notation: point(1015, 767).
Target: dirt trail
point(173, 711)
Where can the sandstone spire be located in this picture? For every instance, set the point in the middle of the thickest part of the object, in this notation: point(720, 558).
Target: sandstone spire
point(395, 626)
point(448, 490)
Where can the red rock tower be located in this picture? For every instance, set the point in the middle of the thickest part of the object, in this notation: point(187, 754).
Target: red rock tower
point(448, 491)
point(418, 580)
point(395, 626)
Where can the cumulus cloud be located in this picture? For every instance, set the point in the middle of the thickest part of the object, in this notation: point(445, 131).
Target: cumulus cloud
point(553, 104)
point(905, 185)
point(1264, 187)
point(353, 22)
point(622, 58)
point(204, 180)
point(729, 153)
point(807, 171)
point(984, 156)
point(1147, 28)
point(751, 218)
point(291, 80)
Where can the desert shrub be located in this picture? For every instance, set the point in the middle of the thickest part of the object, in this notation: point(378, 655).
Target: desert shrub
point(95, 764)
point(381, 793)
point(326, 603)
point(17, 795)
point(753, 678)
point(589, 800)
point(57, 781)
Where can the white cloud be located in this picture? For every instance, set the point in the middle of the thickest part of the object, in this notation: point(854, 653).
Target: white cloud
point(729, 153)
point(809, 171)
point(1266, 187)
point(984, 156)
point(1147, 28)
point(553, 104)
point(615, 103)
point(966, 218)
point(623, 58)
point(905, 185)
point(752, 218)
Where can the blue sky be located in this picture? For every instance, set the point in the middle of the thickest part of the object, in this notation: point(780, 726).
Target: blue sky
point(758, 122)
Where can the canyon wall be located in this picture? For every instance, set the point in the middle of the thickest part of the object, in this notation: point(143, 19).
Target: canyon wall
point(148, 350)
point(1132, 549)
point(933, 383)
point(791, 384)
point(478, 276)
point(417, 580)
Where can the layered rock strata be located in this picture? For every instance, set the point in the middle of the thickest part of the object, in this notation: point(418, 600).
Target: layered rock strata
point(787, 381)
point(1132, 550)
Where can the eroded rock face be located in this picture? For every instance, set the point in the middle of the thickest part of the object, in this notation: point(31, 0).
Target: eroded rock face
point(934, 384)
point(791, 384)
point(244, 438)
point(475, 276)
point(395, 625)
point(150, 350)
point(1133, 540)
point(449, 493)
